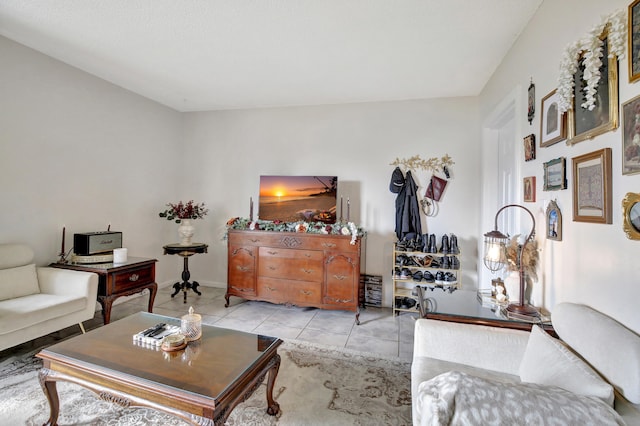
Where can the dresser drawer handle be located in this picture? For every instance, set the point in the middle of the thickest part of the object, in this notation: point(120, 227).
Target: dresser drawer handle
point(134, 277)
point(243, 268)
point(307, 255)
point(339, 277)
point(306, 292)
point(271, 288)
point(243, 290)
point(254, 240)
point(329, 245)
point(307, 271)
point(271, 267)
point(272, 252)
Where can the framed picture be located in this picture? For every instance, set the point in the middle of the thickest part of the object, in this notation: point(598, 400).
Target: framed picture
point(529, 189)
point(530, 147)
point(634, 41)
point(531, 102)
point(554, 222)
point(631, 136)
point(553, 124)
point(555, 174)
point(631, 213)
point(584, 124)
point(592, 187)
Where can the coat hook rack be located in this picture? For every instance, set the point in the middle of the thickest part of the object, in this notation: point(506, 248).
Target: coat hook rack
point(432, 164)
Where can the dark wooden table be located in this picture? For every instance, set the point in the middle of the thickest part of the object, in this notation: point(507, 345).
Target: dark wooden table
point(200, 384)
point(185, 252)
point(119, 279)
point(463, 306)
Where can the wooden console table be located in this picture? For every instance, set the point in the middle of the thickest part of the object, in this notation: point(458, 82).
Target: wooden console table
point(291, 268)
point(120, 279)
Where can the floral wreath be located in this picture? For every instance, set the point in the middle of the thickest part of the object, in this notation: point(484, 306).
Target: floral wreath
point(591, 47)
point(338, 228)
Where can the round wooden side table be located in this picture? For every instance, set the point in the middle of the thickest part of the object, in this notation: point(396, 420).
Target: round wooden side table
point(185, 252)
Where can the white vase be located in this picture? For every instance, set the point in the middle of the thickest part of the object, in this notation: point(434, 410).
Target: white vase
point(512, 285)
point(185, 230)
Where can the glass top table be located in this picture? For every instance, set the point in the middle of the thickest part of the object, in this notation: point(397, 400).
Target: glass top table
point(464, 306)
point(202, 382)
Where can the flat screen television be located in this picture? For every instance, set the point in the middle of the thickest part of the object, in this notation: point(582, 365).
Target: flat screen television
point(296, 198)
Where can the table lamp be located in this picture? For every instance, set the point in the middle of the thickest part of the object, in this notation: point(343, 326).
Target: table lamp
point(495, 258)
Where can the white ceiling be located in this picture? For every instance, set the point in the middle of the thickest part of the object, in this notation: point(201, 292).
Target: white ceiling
point(195, 55)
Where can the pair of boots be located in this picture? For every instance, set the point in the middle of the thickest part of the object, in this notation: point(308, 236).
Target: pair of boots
point(449, 247)
point(429, 243)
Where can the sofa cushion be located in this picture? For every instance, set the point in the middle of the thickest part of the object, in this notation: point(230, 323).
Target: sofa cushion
point(611, 348)
point(456, 398)
point(547, 361)
point(23, 312)
point(18, 282)
point(12, 255)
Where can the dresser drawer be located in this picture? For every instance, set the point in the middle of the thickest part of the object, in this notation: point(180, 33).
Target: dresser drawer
point(273, 290)
point(132, 278)
point(298, 265)
point(302, 292)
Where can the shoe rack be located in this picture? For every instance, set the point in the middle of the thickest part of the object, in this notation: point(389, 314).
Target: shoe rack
point(428, 266)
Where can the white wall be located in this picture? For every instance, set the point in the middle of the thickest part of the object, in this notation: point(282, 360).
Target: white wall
point(229, 150)
point(80, 152)
point(594, 264)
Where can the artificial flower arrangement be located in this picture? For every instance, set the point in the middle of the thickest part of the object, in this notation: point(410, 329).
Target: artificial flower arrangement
point(591, 47)
point(182, 211)
point(338, 228)
point(529, 257)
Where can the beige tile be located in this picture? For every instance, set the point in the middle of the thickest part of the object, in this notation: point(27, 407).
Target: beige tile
point(323, 337)
point(278, 330)
point(367, 344)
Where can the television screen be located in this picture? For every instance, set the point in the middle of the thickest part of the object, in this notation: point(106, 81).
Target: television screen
point(295, 198)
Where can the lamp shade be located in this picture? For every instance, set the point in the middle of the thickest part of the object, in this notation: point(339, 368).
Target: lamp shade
point(494, 250)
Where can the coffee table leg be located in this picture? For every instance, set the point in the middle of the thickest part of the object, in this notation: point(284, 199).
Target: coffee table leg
point(51, 392)
point(273, 408)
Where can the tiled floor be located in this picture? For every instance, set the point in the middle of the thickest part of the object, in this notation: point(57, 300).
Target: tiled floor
point(379, 331)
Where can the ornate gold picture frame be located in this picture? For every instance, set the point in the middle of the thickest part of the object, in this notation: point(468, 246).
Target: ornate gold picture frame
point(554, 222)
point(592, 187)
point(634, 41)
point(631, 215)
point(584, 124)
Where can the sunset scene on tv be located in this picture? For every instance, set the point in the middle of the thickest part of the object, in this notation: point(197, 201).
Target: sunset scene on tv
point(295, 198)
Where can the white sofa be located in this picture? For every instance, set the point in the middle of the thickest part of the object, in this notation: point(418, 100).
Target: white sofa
point(527, 366)
point(35, 301)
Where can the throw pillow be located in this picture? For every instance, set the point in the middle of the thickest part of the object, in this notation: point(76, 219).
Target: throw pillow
point(18, 282)
point(547, 361)
point(456, 398)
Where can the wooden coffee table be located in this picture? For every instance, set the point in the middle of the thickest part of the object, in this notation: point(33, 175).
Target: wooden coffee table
point(200, 384)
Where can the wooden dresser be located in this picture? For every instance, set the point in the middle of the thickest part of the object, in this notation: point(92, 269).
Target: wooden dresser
point(299, 269)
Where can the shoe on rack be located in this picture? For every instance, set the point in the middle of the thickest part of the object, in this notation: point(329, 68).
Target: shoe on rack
point(402, 260)
point(432, 244)
point(426, 261)
point(408, 302)
point(417, 276)
point(454, 245)
point(414, 261)
point(405, 273)
point(444, 246)
point(435, 262)
point(450, 278)
point(425, 243)
point(428, 277)
point(401, 245)
point(445, 262)
point(455, 262)
point(439, 277)
point(396, 272)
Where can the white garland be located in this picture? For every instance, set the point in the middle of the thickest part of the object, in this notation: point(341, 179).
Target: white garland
point(591, 47)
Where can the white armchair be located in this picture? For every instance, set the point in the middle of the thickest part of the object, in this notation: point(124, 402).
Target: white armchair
point(35, 301)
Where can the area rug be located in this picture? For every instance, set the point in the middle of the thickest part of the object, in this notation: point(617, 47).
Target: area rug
point(316, 385)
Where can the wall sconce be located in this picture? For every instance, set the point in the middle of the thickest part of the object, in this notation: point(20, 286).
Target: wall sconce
point(495, 258)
